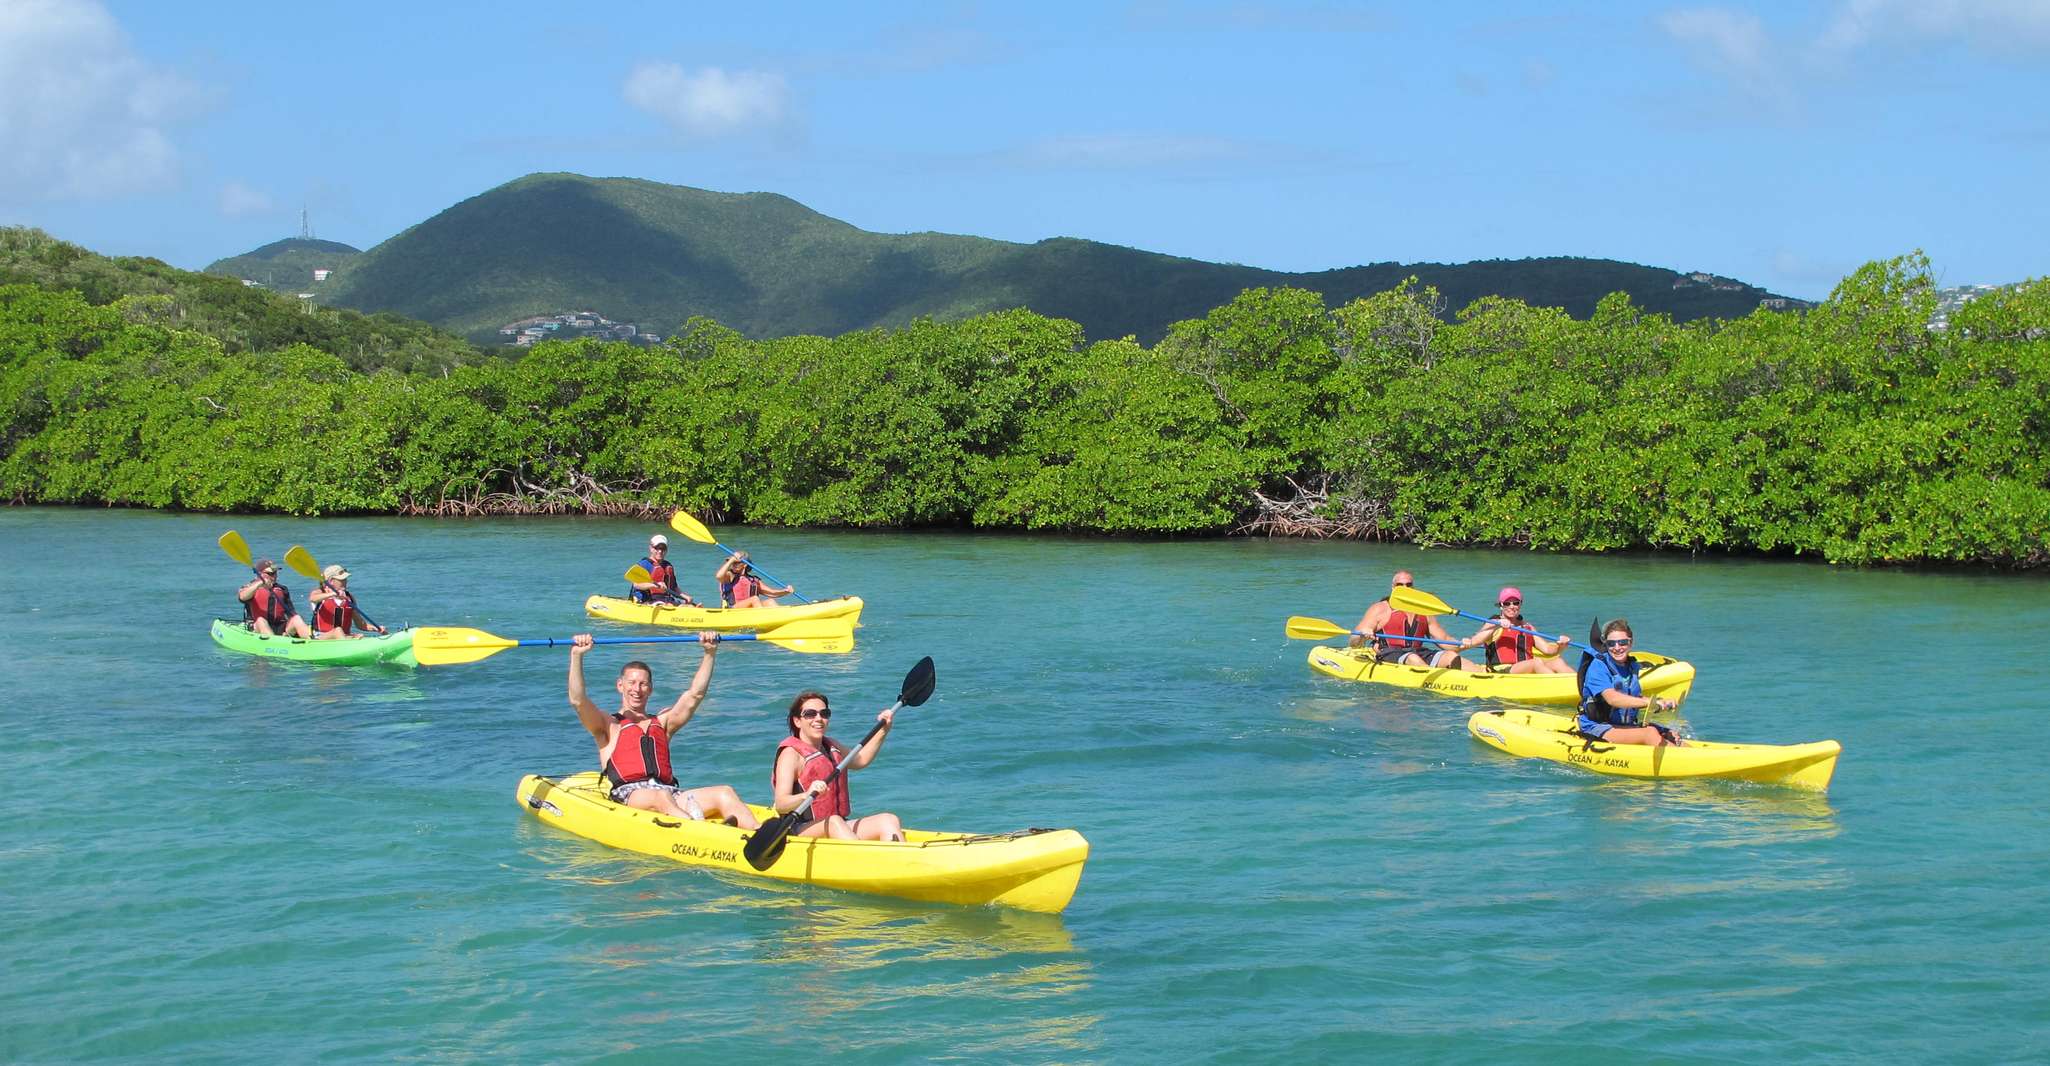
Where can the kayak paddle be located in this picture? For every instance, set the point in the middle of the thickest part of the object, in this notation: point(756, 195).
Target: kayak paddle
point(1303, 627)
point(767, 843)
point(690, 527)
point(448, 645)
point(1417, 601)
point(237, 548)
point(302, 560)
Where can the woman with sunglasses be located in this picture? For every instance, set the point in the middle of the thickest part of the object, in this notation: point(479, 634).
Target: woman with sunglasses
point(806, 758)
point(1612, 701)
point(1511, 652)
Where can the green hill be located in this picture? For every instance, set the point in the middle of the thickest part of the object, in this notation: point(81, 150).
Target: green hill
point(287, 265)
point(655, 255)
point(242, 317)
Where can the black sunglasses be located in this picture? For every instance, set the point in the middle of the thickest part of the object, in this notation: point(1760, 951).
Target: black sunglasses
point(815, 712)
point(1510, 603)
point(1405, 584)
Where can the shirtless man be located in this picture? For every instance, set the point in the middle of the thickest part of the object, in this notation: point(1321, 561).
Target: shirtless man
point(633, 746)
point(1392, 633)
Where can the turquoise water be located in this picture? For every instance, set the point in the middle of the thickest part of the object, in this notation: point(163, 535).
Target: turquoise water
point(214, 858)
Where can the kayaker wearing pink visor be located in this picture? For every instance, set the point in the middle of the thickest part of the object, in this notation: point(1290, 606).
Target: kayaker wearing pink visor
point(1510, 652)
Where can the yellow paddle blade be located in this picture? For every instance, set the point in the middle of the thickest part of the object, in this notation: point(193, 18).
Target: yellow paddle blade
point(1417, 601)
point(812, 636)
point(237, 548)
point(448, 645)
point(638, 575)
point(690, 527)
point(1302, 627)
point(302, 560)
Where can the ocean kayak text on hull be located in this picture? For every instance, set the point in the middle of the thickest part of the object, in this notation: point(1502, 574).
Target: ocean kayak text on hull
point(1032, 869)
point(1662, 676)
point(395, 648)
point(690, 616)
point(1538, 735)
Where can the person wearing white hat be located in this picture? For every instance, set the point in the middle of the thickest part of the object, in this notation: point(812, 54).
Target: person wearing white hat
point(334, 610)
point(661, 584)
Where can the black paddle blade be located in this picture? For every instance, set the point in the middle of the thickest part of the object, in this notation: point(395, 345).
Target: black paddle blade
point(766, 845)
point(918, 684)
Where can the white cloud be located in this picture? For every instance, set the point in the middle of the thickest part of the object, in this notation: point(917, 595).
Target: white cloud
point(1734, 46)
point(241, 201)
point(710, 102)
point(82, 117)
point(2004, 27)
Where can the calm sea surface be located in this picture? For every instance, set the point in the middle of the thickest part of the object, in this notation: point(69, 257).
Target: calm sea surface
point(211, 858)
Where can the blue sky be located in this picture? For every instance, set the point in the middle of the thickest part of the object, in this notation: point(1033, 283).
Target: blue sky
point(1783, 144)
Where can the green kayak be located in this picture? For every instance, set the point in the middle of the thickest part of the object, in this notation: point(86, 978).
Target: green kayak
point(396, 648)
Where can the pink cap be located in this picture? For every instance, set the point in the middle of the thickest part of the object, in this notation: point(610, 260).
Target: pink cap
point(1508, 592)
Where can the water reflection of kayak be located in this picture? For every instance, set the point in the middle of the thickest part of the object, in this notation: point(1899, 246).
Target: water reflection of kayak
point(1031, 869)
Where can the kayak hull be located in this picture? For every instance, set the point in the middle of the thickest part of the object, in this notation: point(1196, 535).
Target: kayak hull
point(395, 649)
point(1033, 869)
point(1662, 676)
point(720, 619)
point(1538, 735)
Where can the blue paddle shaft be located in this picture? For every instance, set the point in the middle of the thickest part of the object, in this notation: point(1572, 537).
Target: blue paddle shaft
point(1520, 629)
point(550, 642)
point(1425, 640)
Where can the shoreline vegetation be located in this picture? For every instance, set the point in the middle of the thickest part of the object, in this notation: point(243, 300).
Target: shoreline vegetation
point(1851, 432)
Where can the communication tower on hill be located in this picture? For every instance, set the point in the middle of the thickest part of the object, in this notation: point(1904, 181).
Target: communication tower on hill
point(305, 226)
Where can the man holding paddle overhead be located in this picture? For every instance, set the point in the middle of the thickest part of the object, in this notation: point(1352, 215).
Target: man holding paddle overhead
point(1395, 633)
point(633, 746)
point(661, 584)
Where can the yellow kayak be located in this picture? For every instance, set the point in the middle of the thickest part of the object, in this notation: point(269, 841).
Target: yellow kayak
point(688, 616)
point(1536, 734)
point(1662, 676)
point(1031, 869)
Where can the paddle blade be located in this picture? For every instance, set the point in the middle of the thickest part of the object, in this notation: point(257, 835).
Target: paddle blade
point(690, 527)
point(449, 645)
point(1303, 627)
point(918, 684)
point(638, 575)
point(237, 548)
point(766, 845)
point(301, 560)
point(813, 636)
point(1417, 601)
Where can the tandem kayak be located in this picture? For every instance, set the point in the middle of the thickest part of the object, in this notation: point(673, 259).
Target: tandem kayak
point(689, 616)
point(1031, 869)
point(395, 648)
point(1536, 734)
point(1661, 676)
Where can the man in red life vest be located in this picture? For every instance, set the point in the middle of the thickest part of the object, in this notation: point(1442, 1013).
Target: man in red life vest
point(267, 605)
point(1393, 634)
point(633, 746)
point(334, 610)
point(661, 585)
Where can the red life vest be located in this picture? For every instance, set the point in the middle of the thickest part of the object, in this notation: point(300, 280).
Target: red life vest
point(273, 603)
point(336, 612)
point(1401, 624)
point(816, 765)
point(661, 572)
point(743, 587)
point(640, 752)
point(1509, 646)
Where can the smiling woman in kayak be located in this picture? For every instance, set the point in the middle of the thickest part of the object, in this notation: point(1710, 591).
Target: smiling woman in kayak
point(741, 586)
point(1513, 652)
point(1612, 701)
point(806, 758)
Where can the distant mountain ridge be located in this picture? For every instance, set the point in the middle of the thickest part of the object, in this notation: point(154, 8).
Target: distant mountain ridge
point(766, 265)
point(286, 265)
